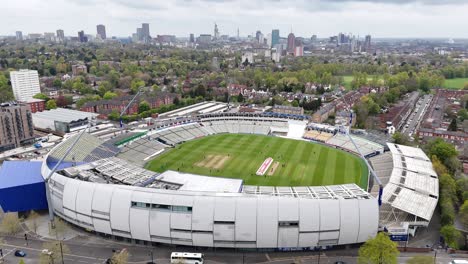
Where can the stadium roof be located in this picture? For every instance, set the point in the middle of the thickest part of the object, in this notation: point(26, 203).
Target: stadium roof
point(18, 173)
point(413, 186)
point(193, 182)
point(64, 115)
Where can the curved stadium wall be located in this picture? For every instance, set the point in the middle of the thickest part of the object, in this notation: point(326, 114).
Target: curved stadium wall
point(326, 216)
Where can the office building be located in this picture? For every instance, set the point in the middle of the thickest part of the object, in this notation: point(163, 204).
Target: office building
point(216, 32)
point(145, 31)
point(299, 50)
point(49, 36)
point(313, 39)
point(60, 35)
point(204, 38)
point(258, 36)
point(275, 37)
point(139, 34)
point(19, 35)
point(16, 126)
point(192, 38)
point(25, 84)
point(367, 43)
point(291, 43)
point(101, 31)
point(269, 40)
point(34, 36)
point(82, 37)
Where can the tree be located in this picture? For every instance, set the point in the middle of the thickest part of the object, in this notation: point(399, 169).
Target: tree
point(64, 101)
point(136, 85)
point(442, 150)
point(400, 138)
point(378, 250)
point(451, 236)
point(6, 93)
point(438, 166)
point(143, 107)
point(120, 257)
point(463, 212)
point(453, 125)
point(51, 104)
point(462, 114)
point(109, 95)
point(240, 98)
point(41, 96)
point(55, 249)
point(33, 216)
point(104, 87)
point(60, 229)
point(11, 223)
point(57, 83)
point(420, 260)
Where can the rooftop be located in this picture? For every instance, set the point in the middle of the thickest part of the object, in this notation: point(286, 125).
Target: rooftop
point(17, 173)
point(64, 115)
point(199, 183)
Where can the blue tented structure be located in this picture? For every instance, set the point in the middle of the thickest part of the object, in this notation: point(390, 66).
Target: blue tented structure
point(22, 186)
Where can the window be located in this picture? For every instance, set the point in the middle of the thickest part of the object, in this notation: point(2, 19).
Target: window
point(182, 209)
point(288, 223)
point(141, 205)
point(161, 207)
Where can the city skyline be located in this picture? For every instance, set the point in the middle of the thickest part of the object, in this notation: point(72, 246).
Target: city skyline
point(380, 18)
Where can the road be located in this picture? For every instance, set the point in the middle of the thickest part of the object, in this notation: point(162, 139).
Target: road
point(417, 115)
point(97, 253)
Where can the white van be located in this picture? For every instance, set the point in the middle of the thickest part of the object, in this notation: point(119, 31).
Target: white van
point(186, 258)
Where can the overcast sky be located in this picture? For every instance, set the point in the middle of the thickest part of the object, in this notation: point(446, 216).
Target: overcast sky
point(380, 18)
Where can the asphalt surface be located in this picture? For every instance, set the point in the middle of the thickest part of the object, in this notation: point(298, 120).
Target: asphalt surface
point(82, 251)
point(415, 118)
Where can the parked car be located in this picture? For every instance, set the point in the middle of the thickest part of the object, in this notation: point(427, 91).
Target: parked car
point(20, 253)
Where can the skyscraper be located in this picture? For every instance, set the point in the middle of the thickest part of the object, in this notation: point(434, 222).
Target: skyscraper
point(25, 84)
point(291, 43)
point(367, 43)
point(145, 31)
point(192, 38)
point(60, 35)
point(81, 36)
point(257, 35)
point(269, 40)
point(275, 36)
point(101, 31)
point(19, 35)
point(216, 32)
point(139, 34)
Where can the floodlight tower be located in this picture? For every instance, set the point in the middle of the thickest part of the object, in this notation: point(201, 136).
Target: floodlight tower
point(140, 89)
point(54, 169)
point(373, 174)
point(47, 179)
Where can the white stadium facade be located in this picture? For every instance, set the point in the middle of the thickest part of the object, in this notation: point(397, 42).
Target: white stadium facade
point(102, 187)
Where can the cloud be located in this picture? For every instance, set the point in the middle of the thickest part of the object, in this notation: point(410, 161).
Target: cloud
point(384, 18)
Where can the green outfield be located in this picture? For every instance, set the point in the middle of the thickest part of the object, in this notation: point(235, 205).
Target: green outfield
point(296, 163)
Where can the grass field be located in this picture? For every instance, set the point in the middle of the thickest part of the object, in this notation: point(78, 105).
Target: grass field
point(347, 79)
point(457, 83)
point(296, 163)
